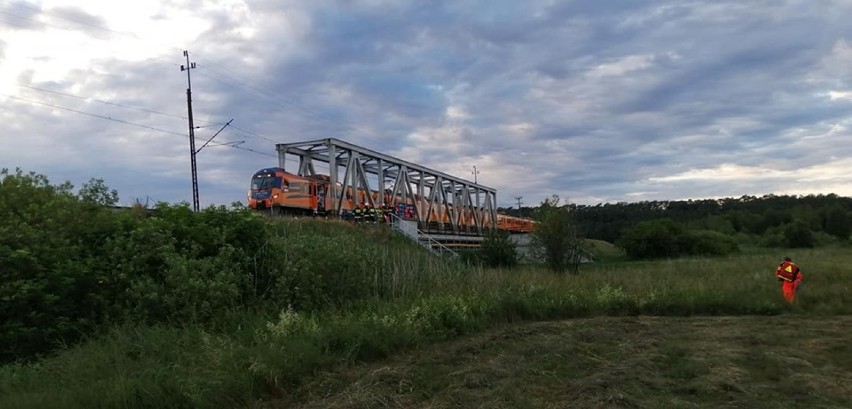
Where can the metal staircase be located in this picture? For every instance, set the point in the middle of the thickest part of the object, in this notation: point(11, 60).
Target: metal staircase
point(409, 229)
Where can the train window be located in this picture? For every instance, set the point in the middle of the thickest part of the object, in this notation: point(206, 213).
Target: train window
point(265, 182)
point(298, 187)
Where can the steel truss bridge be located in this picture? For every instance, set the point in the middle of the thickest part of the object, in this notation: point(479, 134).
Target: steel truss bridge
point(441, 202)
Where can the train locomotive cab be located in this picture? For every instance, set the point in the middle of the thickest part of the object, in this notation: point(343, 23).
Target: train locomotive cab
point(267, 186)
point(282, 192)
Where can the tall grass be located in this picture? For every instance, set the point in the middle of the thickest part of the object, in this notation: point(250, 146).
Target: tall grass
point(411, 299)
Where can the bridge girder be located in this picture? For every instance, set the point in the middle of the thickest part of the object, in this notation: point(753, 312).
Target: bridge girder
point(435, 195)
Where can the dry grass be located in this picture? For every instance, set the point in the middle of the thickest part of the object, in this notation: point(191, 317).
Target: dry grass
point(637, 362)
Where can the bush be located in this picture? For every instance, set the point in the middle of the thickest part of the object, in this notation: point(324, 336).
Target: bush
point(666, 238)
point(708, 243)
point(798, 234)
point(653, 239)
point(53, 277)
point(837, 222)
point(555, 238)
point(498, 250)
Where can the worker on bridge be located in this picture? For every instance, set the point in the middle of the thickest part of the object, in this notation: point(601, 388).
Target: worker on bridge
point(375, 214)
point(386, 212)
point(369, 215)
point(790, 276)
point(359, 213)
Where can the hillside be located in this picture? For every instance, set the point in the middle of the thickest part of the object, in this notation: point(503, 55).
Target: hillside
point(628, 362)
point(223, 308)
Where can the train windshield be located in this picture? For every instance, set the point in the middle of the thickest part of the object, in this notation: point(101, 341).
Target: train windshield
point(265, 181)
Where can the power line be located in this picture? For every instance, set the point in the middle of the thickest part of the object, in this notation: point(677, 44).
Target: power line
point(230, 144)
point(259, 90)
point(253, 134)
point(313, 115)
point(21, 24)
point(235, 146)
point(18, 24)
point(88, 99)
point(223, 72)
point(115, 104)
point(246, 86)
point(92, 115)
point(76, 111)
point(30, 19)
point(214, 136)
point(282, 103)
point(95, 26)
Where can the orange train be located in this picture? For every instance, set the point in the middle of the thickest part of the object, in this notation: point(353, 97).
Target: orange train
point(282, 192)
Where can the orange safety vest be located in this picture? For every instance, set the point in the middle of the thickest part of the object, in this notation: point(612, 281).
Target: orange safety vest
point(787, 271)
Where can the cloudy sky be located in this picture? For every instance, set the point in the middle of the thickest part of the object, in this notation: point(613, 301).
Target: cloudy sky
point(596, 101)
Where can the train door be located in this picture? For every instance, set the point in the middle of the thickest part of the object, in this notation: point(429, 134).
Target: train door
point(322, 189)
point(312, 196)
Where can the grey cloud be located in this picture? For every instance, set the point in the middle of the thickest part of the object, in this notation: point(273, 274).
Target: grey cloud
point(20, 15)
point(592, 100)
point(80, 16)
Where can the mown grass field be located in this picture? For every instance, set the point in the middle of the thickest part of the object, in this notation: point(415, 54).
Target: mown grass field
point(619, 333)
point(611, 362)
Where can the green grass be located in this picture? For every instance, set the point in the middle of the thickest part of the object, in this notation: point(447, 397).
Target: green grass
point(610, 362)
point(249, 358)
point(603, 250)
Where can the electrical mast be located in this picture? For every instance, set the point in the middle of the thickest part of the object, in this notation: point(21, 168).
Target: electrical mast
point(192, 152)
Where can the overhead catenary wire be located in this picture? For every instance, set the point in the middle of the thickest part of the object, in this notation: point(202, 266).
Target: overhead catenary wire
point(252, 134)
point(229, 76)
point(217, 72)
point(44, 22)
point(83, 23)
point(91, 114)
point(284, 103)
point(245, 132)
point(129, 35)
point(104, 117)
point(16, 24)
point(236, 144)
point(281, 103)
point(151, 111)
point(88, 99)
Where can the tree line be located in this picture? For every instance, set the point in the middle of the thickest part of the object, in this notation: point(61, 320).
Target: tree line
point(766, 215)
point(654, 229)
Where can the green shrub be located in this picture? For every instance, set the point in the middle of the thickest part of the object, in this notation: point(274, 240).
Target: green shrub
point(708, 243)
point(837, 222)
point(798, 234)
point(554, 238)
point(665, 238)
point(653, 239)
point(498, 250)
point(53, 276)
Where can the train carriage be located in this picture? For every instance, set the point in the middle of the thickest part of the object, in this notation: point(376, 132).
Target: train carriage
point(282, 192)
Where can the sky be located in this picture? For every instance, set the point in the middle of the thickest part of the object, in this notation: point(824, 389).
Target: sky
point(593, 101)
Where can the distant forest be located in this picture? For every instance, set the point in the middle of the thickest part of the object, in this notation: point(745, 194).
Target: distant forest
point(743, 216)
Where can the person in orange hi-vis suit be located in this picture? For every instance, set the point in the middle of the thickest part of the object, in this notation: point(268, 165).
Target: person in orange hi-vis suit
point(790, 276)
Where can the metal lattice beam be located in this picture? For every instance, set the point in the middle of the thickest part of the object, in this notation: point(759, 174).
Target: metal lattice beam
point(436, 196)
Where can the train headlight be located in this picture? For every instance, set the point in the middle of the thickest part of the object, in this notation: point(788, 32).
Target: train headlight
point(275, 196)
